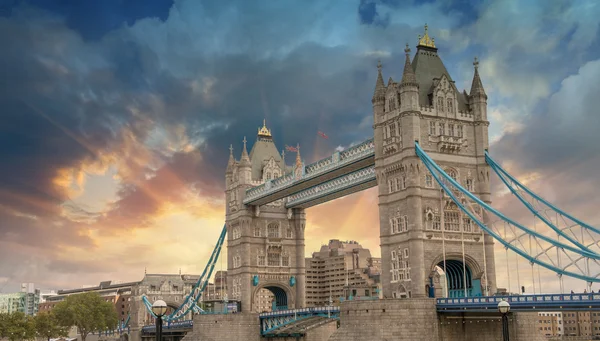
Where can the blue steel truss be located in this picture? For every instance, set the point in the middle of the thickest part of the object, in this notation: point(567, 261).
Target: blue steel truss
point(548, 302)
point(513, 235)
point(190, 301)
point(271, 322)
point(352, 155)
point(565, 225)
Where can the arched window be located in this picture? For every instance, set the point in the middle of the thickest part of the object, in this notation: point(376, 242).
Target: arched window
point(450, 105)
point(256, 231)
point(452, 173)
point(273, 259)
point(289, 233)
point(440, 105)
point(273, 230)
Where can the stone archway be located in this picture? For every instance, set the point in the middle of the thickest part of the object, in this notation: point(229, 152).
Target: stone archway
point(277, 296)
point(454, 278)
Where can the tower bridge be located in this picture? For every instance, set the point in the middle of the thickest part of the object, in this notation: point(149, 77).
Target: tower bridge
point(429, 160)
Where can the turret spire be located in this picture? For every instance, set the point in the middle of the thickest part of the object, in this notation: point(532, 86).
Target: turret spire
point(283, 158)
point(408, 76)
point(298, 159)
point(245, 159)
point(379, 94)
point(477, 85)
point(231, 161)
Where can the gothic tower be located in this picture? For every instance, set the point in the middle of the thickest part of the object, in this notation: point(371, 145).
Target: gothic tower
point(417, 221)
point(265, 244)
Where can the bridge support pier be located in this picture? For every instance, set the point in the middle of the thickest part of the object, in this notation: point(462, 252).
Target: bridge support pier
point(416, 319)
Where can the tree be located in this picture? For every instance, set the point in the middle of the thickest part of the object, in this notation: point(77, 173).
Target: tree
point(88, 312)
point(48, 326)
point(3, 325)
point(18, 326)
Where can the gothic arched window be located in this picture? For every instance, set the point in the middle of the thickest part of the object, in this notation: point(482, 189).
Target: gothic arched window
point(273, 230)
point(450, 105)
point(440, 104)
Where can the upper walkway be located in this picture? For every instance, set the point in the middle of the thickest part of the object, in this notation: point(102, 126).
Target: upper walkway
point(320, 173)
point(545, 302)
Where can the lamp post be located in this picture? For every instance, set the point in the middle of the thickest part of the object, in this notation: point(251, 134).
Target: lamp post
point(159, 308)
point(504, 308)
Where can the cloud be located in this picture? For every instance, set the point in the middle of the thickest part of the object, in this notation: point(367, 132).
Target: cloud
point(145, 108)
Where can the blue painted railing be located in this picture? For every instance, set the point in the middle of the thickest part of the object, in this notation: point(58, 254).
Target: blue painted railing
point(546, 302)
point(301, 311)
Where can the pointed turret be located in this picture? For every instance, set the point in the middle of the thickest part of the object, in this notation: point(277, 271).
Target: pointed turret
point(477, 86)
point(298, 158)
point(231, 161)
point(409, 87)
point(245, 167)
point(379, 94)
point(408, 75)
point(245, 159)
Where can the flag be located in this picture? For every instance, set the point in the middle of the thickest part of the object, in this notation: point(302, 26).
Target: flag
point(291, 149)
point(322, 134)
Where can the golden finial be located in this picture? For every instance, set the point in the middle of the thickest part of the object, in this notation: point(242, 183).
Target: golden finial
point(426, 40)
point(264, 131)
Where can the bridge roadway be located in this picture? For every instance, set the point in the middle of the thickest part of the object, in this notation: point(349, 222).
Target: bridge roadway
point(295, 322)
point(521, 303)
point(340, 174)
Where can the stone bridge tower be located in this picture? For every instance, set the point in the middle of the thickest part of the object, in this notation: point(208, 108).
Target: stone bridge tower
point(417, 221)
point(265, 244)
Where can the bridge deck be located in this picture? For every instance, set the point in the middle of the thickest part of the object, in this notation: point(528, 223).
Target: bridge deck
point(335, 166)
point(546, 302)
point(300, 327)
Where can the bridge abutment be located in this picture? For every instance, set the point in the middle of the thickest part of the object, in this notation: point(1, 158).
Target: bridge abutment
point(416, 319)
point(225, 327)
point(477, 326)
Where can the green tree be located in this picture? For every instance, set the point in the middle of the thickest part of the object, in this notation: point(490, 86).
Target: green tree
point(3, 325)
point(48, 326)
point(88, 312)
point(19, 327)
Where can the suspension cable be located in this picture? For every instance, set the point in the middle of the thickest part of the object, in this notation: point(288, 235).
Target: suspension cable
point(487, 286)
point(507, 265)
point(531, 252)
point(443, 227)
point(462, 242)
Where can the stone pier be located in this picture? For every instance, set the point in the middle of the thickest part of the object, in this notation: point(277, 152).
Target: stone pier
point(417, 320)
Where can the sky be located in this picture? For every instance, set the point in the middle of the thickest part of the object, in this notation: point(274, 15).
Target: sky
point(117, 116)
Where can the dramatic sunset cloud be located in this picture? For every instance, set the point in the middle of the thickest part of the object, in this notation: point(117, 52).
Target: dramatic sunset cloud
point(116, 118)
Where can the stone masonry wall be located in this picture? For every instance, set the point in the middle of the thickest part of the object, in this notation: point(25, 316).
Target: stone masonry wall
point(230, 327)
point(407, 319)
point(417, 320)
point(476, 327)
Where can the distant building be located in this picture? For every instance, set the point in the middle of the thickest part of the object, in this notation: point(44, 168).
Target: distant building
point(341, 270)
point(551, 324)
point(26, 301)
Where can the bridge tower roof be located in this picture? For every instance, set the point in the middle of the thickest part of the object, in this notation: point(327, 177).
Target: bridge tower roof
point(429, 69)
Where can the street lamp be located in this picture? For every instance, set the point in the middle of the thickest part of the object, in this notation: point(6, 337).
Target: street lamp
point(159, 308)
point(504, 308)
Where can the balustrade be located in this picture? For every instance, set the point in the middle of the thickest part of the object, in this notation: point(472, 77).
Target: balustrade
point(336, 160)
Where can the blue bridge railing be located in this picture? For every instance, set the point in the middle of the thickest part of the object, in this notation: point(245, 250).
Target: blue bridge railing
point(545, 302)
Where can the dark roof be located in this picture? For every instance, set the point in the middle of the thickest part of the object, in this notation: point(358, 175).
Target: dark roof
point(262, 151)
point(428, 65)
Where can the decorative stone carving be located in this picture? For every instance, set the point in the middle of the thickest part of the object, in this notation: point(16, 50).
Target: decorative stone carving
point(256, 211)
